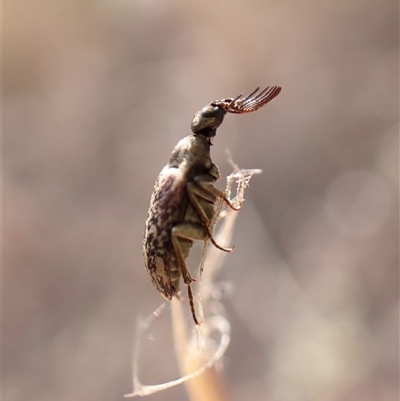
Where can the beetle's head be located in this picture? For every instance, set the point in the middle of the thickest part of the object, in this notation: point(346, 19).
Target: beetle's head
point(210, 117)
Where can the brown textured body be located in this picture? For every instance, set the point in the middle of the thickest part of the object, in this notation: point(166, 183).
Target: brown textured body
point(170, 206)
point(182, 205)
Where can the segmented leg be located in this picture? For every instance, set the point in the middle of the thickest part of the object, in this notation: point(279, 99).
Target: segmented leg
point(191, 302)
point(179, 233)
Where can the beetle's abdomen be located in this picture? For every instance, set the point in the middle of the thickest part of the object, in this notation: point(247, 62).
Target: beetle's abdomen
point(167, 208)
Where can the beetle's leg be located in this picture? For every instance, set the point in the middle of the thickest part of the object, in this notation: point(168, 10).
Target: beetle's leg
point(187, 231)
point(208, 191)
point(194, 192)
point(191, 302)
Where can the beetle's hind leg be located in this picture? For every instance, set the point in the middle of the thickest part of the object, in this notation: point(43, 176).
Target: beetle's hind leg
point(191, 301)
point(182, 236)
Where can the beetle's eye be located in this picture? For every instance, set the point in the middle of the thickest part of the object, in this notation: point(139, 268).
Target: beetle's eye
point(209, 111)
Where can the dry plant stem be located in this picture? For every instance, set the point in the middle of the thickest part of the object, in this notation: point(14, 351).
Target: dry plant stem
point(214, 257)
point(209, 385)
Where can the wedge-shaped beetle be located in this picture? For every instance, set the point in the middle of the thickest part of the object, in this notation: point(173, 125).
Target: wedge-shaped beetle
point(183, 202)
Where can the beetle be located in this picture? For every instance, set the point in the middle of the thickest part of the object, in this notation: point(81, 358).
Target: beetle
point(183, 201)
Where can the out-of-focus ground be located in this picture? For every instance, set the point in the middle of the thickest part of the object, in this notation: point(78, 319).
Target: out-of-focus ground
point(95, 96)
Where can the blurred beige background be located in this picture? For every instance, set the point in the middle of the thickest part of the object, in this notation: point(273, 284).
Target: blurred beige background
point(95, 96)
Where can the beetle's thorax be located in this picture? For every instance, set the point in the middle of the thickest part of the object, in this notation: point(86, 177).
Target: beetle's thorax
point(192, 155)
